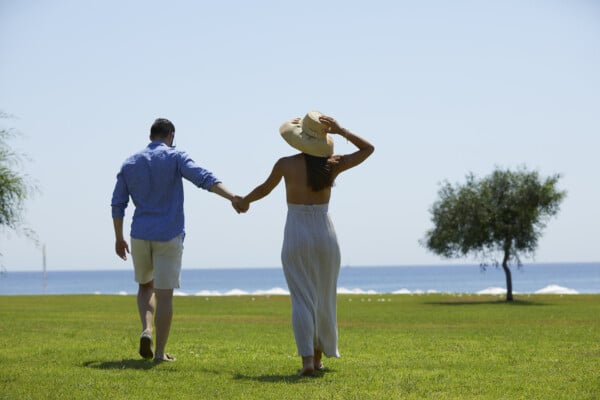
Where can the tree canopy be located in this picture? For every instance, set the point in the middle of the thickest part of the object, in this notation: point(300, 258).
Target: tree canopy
point(15, 186)
point(502, 214)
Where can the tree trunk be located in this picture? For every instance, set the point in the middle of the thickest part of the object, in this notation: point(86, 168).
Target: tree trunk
point(509, 295)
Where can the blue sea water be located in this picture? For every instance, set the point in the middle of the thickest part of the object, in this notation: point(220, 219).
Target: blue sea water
point(567, 278)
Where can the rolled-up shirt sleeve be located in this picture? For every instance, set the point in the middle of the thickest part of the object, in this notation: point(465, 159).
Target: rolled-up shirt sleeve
point(120, 198)
point(194, 173)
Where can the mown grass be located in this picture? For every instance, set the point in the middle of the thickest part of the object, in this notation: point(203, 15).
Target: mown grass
point(393, 347)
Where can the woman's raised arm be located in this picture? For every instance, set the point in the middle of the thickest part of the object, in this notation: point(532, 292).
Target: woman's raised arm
point(365, 148)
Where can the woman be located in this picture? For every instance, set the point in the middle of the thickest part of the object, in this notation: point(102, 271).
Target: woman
point(310, 254)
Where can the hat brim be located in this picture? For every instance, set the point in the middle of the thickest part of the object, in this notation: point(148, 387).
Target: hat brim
point(293, 134)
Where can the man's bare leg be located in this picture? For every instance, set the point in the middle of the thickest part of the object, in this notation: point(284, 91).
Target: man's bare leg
point(146, 305)
point(162, 322)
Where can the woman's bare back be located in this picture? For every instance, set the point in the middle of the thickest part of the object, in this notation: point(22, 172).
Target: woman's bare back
point(297, 190)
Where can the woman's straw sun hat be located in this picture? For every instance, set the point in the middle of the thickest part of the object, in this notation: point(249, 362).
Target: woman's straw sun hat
point(308, 135)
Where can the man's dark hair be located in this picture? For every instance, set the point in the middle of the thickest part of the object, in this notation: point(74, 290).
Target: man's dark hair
point(161, 128)
point(318, 171)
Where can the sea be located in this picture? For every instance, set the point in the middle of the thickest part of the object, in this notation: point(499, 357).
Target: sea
point(537, 278)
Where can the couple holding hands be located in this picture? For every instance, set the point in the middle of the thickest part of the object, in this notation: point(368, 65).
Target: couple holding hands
point(153, 179)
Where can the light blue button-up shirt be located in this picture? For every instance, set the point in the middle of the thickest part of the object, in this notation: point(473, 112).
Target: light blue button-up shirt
point(153, 179)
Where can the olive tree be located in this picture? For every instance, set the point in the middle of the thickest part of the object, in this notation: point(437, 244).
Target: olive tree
point(500, 216)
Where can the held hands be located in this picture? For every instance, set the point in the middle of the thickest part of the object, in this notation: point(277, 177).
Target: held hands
point(240, 205)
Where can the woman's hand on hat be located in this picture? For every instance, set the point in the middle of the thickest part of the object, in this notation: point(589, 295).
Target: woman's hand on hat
point(332, 125)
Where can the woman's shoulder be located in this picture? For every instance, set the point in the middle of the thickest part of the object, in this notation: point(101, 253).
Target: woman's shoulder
point(291, 160)
point(299, 156)
point(291, 166)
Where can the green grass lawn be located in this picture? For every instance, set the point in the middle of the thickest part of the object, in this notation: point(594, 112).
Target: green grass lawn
point(392, 346)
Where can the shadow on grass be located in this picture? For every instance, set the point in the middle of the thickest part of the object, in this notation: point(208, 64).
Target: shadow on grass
point(475, 302)
point(281, 378)
point(120, 364)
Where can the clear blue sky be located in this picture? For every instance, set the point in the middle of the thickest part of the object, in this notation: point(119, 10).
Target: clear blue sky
point(441, 88)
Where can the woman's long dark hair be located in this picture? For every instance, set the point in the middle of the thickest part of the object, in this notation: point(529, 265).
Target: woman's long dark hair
point(318, 171)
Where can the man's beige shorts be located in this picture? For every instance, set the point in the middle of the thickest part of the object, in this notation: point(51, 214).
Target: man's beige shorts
point(158, 261)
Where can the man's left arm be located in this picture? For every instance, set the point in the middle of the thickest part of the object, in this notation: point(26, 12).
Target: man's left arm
point(121, 246)
point(119, 202)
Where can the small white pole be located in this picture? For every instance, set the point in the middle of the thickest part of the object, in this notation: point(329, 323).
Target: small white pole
point(44, 267)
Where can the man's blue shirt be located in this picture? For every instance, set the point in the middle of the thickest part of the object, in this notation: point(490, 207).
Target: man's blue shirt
point(153, 179)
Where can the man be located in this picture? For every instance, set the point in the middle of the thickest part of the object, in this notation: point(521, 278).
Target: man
point(153, 180)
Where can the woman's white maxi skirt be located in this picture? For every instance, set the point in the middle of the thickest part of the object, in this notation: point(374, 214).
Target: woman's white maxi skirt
point(311, 263)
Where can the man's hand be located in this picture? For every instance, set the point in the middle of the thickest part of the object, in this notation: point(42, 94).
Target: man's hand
point(240, 204)
point(122, 248)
